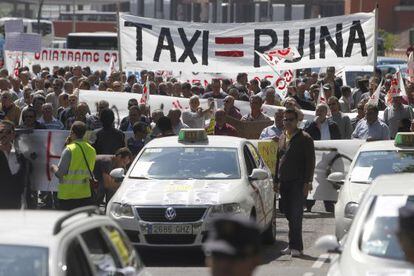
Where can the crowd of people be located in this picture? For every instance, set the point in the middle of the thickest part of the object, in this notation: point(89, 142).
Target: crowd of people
point(47, 98)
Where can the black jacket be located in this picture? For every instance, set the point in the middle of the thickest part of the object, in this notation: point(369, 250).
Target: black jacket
point(12, 185)
point(312, 129)
point(295, 159)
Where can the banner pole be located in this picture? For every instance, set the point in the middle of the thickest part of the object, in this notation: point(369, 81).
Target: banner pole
point(376, 36)
point(119, 36)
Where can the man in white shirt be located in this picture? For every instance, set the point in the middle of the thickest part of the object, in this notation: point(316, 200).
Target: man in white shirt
point(195, 117)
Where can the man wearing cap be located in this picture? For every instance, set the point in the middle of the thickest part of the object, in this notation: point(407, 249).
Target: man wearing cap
point(233, 247)
point(406, 231)
point(396, 112)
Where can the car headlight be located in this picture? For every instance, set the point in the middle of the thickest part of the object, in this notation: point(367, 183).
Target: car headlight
point(351, 209)
point(229, 208)
point(121, 210)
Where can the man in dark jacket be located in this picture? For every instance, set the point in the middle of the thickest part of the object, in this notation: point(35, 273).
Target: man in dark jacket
point(293, 177)
point(13, 169)
point(322, 128)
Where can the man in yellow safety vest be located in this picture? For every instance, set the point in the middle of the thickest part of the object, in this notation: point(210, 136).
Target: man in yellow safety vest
point(74, 170)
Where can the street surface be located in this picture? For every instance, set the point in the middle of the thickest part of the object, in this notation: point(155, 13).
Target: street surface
point(181, 262)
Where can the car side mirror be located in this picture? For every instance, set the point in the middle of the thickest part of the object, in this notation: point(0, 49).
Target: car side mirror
point(118, 173)
point(328, 243)
point(126, 271)
point(258, 174)
point(337, 179)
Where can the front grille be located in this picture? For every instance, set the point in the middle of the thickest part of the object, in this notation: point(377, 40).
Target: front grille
point(170, 239)
point(183, 214)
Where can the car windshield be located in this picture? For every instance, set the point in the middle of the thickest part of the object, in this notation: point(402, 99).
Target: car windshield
point(379, 232)
point(371, 164)
point(351, 77)
point(20, 260)
point(187, 163)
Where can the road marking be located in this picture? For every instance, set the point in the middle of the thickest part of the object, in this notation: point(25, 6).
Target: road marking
point(321, 260)
point(308, 274)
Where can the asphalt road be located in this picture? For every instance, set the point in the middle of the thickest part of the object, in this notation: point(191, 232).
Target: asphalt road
point(181, 262)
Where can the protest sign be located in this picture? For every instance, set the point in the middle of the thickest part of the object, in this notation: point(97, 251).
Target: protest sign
point(23, 42)
point(230, 47)
point(49, 57)
point(268, 151)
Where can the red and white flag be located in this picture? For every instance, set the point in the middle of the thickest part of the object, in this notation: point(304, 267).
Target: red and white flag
point(112, 68)
point(145, 94)
point(284, 54)
point(321, 96)
point(16, 67)
point(376, 95)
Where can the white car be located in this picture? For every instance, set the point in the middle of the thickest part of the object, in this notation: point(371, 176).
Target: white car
point(177, 184)
point(372, 159)
point(371, 247)
point(78, 242)
point(350, 73)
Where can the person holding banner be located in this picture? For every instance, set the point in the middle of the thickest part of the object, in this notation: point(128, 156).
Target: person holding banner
point(75, 170)
point(256, 113)
point(295, 167)
point(196, 116)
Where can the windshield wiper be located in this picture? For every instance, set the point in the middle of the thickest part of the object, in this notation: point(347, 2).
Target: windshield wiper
point(140, 177)
point(362, 182)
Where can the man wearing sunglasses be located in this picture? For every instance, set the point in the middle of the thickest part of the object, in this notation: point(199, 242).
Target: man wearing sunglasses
point(293, 178)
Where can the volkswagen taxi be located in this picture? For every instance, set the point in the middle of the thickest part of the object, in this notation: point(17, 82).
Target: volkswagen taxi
point(177, 184)
point(372, 160)
point(371, 246)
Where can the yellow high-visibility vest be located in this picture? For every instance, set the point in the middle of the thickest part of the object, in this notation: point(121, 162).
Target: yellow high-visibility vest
point(75, 184)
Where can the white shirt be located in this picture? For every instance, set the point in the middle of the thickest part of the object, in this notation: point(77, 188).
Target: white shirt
point(325, 134)
point(193, 119)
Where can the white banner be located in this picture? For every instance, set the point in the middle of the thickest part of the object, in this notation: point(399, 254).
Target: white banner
point(118, 101)
point(95, 59)
point(202, 47)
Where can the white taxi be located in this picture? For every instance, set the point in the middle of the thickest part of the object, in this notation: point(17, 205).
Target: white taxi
point(372, 160)
point(79, 242)
point(177, 184)
point(371, 246)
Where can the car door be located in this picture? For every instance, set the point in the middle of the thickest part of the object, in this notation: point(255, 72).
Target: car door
point(75, 260)
point(266, 185)
point(258, 190)
point(129, 259)
point(101, 253)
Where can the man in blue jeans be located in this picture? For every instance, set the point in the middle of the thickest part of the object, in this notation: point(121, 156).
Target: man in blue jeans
point(293, 178)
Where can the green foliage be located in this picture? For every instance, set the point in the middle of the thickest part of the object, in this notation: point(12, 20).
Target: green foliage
point(389, 40)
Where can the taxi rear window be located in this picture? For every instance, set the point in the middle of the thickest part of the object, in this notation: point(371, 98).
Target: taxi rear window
point(187, 163)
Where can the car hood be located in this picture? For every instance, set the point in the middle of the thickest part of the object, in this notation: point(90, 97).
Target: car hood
point(180, 192)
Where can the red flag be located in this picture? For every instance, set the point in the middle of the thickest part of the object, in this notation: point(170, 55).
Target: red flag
point(145, 94)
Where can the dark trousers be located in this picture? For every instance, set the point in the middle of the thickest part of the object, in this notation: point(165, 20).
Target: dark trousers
point(69, 204)
point(291, 204)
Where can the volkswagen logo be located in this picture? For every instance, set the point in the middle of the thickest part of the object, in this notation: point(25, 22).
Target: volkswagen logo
point(170, 213)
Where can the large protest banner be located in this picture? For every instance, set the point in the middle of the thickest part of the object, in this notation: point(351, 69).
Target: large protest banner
point(49, 57)
point(202, 47)
point(119, 103)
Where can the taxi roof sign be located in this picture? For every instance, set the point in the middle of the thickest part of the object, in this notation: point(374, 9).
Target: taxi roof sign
point(404, 139)
point(192, 135)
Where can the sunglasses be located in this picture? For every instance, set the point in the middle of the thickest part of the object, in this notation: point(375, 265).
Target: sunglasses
point(289, 119)
point(28, 116)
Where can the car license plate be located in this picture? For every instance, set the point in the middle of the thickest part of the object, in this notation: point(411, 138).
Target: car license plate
point(170, 229)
